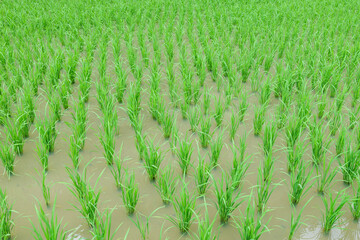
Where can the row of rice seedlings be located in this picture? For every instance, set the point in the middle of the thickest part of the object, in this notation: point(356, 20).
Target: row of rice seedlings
point(50, 227)
point(7, 156)
point(166, 184)
point(184, 153)
point(6, 222)
point(152, 160)
point(85, 194)
point(47, 132)
point(184, 206)
point(130, 192)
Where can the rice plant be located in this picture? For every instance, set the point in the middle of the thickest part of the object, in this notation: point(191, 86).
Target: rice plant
point(295, 156)
point(130, 192)
point(143, 227)
point(167, 121)
point(116, 170)
point(239, 167)
point(45, 189)
point(295, 222)
point(7, 156)
point(349, 166)
point(259, 119)
point(318, 143)
point(264, 188)
point(227, 198)
point(206, 101)
point(102, 227)
point(204, 132)
point(152, 160)
point(184, 206)
point(15, 136)
point(202, 176)
point(354, 201)
point(219, 112)
point(234, 125)
point(299, 182)
point(194, 118)
point(166, 184)
point(6, 223)
point(184, 153)
point(205, 227)
point(270, 135)
point(43, 155)
point(333, 209)
point(293, 131)
point(47, 132)
point(325, 175)
point(50, 227)
point(107, 140)
point(215, 149)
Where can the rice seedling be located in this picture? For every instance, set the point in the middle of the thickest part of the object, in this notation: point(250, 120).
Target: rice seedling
point(234, 125)
point(295, 156)
point(239, 167)
point(65, 91)
point(43, 155)
point(350, 165)
point(45, 189)
point(227, 199)
point(79, 123)
point(167, 121)
point(335, 122)
point(259, 119)
point(152, 160)
point(184, 107)
point(47, 132)
point(130, 192)
point(295, 222)
point(321, 105)
point(107, 140)
point(326, 175)
point(121, 83)
point(319, 147)
point(7, 156)
point(268, 166)
point(251, 225)
point(205, 227)
point(140, 144)
point(270, 135)
point(354, 201)
point(174, 137)
point(194, 118)
point(202, 176)
point(219, 112)
point(293, 131)
point(184, 153)
point(6, 223)
point(333, 209)
point(184, 206)
point(299, 182)
point(265, 93)
point(206, 101)
point(14, 135)
point(50, 227)
point(215, 149)
point(102, 227)
point(166, 184)
point(353, 118)
point(116, 170)
point(204, 133)
point(340, 142)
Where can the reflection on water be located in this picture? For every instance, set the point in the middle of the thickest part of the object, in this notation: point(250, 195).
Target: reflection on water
point(75, 234)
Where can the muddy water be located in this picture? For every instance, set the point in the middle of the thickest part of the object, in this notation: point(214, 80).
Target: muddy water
point(24, 188)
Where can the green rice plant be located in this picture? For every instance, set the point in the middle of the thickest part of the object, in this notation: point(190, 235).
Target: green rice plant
point(265, 93)
point(251, 225)
point(263, 188)
point(234, 124)
point(333, 209)
point(23, 120)
point(107, 140)
point(353, 117)
point(319, 147)
point(184, 107)
point(325, 175)
point(202, 176)
point(293, 131)
point(184, 153)
point(184, 206)
point(299, 182)
point(194, 118)
point(15, 136)
point(85, 194)
point(206, 101)
point(321, 105)
point(219, 112)
point(43, 155)
point(143, 226)
point(239, 167)
point(116, 170)
point(6, 223)
point(121, 83)
point(65, 91)
point(130, 192)
point(295, 155)
point(227, 199)
point(5, 106)
point(140, 144)
point(340, 142)
point(166, 184)
point(29, 104)
point(270, 135)
point(255, 80)
point(216, 146)
point(55, 105)
point(268, 166)
point(47, 132)
point(74, 153)
point(167, 121)
point(102, 227)
point(174, 137)
point(72, 64)
point(295, 222)
point(204, 132)
point(45, 189)
point(354, 202)
point(50, 227)
point(79, 123)
point(335, 122)
point(205, 227)
point(152, 160)
point(259, 119)
point(7, 156)
point(85, 80)
point(350, 165)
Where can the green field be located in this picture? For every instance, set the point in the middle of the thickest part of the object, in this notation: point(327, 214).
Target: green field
point(162, 119)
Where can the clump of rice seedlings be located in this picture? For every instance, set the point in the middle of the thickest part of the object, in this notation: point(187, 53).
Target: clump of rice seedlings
point(45, 188)
point(55, 105)
point(184, 206)
point(174, 137)
point(268, 166)
point(166, 184)
point(234, 124)
point(43, 155)
point(85, 80)
point(50, 228)
point(350, 165)
point(184, 153)
point(299, 182)
point(335, 122)
point(74, 153)
point(219, 112)
point(140, 144)
point(107, 140)
point(206, 101)
point(295, 155)
point(116, 170)
point(205, 227)
point(15, 136)
point(265, 93)
point(263, 188)
point(47, 132)
point(167, 121)
point(79, 123)
point(319, 148)
point(239, 167)
point(204, 132)
point(270, 135)
point(322, 105)
point(295, 222)
point(340, 142)
point(333, 209)
point(259, 119)
point(353, 117)
point(7, 156)
point(184, 107)
point(130, 192)
point(23, 120)
point(102, 227)
point(354, 202)
point(6, 223)
point(85, 194)
point(293, 131)
point(227, 199)
point(121, 83)
point(143, 227)
point(152, 160)
point(5, 106)
point(202, 176)
point(194, 118)
point(282, 114)
point(216, 146)
point(251, 225)
point(325, 175)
